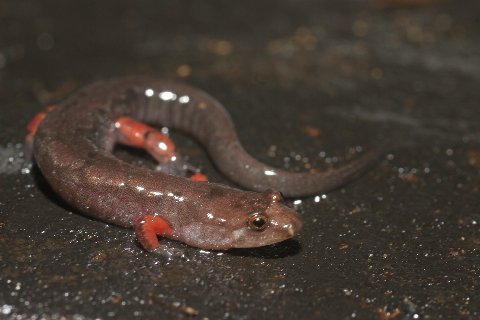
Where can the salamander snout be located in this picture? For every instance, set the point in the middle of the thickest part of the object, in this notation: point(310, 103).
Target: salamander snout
point(284, 220)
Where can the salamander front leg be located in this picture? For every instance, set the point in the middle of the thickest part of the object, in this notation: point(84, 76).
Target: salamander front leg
point(148, 228)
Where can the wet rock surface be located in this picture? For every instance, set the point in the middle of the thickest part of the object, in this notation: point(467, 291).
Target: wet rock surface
point(309, 84)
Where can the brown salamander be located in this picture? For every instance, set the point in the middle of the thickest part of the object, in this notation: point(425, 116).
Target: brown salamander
point(73, 149)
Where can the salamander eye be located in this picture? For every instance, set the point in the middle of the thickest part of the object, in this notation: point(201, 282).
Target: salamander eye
point(257, 222)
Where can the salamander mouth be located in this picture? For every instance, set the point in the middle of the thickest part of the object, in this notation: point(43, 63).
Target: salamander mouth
point(255, 243)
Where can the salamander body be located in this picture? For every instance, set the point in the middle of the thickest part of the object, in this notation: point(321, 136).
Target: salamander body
point(73, 149)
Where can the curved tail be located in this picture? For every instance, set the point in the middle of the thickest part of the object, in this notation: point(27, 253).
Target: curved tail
point(200, 115)
point(254, 175)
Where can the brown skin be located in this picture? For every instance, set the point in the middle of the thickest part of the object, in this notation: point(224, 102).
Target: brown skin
point(73, 150)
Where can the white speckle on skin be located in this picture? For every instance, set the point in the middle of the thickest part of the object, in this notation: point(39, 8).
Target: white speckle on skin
point(149, 92)
point(162, 146)
point(167, 96)
point(184, 99)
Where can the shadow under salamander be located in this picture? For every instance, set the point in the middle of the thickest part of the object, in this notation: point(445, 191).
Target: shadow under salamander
point(282, 249)
point(45, 188)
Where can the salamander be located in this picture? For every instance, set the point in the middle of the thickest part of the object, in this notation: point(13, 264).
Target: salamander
point(73, 144)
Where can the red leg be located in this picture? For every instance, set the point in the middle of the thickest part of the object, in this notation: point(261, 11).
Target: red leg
point(199, 177)
point(148, 228)
point(37, 119)
point(136, 134)
point(32, 128)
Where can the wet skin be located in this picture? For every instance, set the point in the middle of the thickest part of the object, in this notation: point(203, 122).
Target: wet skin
point(73, 149)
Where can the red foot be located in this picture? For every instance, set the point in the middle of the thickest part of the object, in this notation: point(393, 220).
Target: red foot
point(199, 177)
point(33, 125)
point(139, 135)
point(37, 119)
point(148, 228)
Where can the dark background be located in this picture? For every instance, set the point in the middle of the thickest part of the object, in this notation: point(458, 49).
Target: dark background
point(306, 82)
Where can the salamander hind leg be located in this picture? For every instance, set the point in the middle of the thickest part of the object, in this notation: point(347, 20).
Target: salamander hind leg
point(139, 135)
point(32, 128)
point(197, 176)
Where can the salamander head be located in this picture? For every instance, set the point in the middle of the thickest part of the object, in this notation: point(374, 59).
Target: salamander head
point(275, 223)
point(240, 219)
